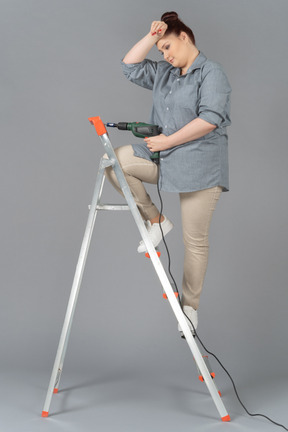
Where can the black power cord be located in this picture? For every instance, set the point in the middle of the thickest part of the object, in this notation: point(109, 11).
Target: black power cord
point(194, 330)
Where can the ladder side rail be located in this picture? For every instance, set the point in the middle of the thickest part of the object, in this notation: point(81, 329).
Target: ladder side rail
point(164, 279)
point(63, 342)
point(94, 207)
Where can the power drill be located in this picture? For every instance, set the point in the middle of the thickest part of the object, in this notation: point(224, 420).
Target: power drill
point(140, 130)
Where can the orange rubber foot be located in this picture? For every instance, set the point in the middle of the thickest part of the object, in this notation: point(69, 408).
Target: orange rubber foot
point(148, 256)
point(220, 394)
point(45, 413)
point(165, 295)
point(55, 390)
point(226, 418)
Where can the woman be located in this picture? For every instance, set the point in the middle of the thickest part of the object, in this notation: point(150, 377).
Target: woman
point(191, 101)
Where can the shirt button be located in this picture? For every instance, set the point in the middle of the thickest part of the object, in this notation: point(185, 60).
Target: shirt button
point(170, 92)
point(166, 126)
point(178, 79)
point(167, 108)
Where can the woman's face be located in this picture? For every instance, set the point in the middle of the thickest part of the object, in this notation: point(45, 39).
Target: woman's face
point(175, 49)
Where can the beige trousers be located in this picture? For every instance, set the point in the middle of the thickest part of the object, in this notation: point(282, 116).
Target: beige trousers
point(196, 209)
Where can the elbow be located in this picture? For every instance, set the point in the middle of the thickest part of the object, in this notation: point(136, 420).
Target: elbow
point(212, 127)
point(209, 127)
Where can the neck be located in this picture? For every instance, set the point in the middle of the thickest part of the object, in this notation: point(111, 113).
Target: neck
point(192, 57)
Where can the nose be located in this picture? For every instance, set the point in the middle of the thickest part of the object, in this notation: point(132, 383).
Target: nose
point(166, 55)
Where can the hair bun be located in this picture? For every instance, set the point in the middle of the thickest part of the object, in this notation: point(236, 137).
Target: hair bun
point(169, 16)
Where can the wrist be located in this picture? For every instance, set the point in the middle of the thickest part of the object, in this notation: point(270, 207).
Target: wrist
point(152, 39)
point(170, 141)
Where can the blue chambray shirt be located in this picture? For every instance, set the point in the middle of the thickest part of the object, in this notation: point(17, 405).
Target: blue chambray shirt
point(204, 91)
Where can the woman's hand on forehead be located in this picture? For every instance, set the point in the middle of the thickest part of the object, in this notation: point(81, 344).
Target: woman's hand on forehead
point(158, 29)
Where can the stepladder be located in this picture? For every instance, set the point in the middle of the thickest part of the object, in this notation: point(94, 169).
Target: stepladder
point(110, 160)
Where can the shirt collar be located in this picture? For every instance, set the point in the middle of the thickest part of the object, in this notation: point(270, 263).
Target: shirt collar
point(198, 62)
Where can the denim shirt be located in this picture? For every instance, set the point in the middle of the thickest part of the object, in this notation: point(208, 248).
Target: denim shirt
point(204, 91)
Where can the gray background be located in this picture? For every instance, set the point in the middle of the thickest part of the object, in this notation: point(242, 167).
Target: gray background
point(126, 368)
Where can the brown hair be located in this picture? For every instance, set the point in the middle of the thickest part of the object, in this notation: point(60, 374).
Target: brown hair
point(175, 25)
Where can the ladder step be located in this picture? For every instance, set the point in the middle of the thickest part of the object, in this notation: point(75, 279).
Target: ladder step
point(111, 207)
point(165, 295)
point(157, 251)
point(201, 378)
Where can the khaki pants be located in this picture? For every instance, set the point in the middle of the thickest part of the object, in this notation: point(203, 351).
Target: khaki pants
point(196, 209)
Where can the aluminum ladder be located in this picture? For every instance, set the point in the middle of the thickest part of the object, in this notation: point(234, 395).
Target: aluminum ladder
point(204, 369)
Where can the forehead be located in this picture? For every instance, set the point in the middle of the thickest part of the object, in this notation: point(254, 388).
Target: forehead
point(162, 42)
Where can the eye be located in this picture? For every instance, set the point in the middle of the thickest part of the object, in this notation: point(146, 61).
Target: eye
point(167, 47)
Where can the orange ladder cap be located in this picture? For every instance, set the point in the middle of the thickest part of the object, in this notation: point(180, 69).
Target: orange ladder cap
point(55, 390)
point(99, 125)
point(226, 418)
point(45, 413)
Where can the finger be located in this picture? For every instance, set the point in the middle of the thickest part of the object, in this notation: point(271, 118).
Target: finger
point(163, 28)
point(156, 27)
point(157, 31)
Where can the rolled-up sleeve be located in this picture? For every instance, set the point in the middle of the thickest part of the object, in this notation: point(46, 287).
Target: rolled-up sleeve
point(142, 74)
point(214, 105)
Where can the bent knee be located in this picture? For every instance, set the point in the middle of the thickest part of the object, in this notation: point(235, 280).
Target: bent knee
point(124, 154)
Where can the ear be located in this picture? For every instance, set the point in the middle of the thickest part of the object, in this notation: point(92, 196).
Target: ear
point(183, 36)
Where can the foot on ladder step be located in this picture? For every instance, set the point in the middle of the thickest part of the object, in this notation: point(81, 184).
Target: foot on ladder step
point(155, 234)
point(193, 316)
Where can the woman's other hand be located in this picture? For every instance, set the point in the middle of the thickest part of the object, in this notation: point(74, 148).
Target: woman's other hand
point(157, 143)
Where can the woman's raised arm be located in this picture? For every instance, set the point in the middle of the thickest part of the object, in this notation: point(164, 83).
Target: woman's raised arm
point(140, 50)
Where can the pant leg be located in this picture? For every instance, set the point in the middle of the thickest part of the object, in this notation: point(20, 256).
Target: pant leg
point(136, 170)
point(196, 209)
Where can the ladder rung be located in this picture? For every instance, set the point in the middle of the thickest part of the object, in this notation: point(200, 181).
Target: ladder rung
point(111, 207)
